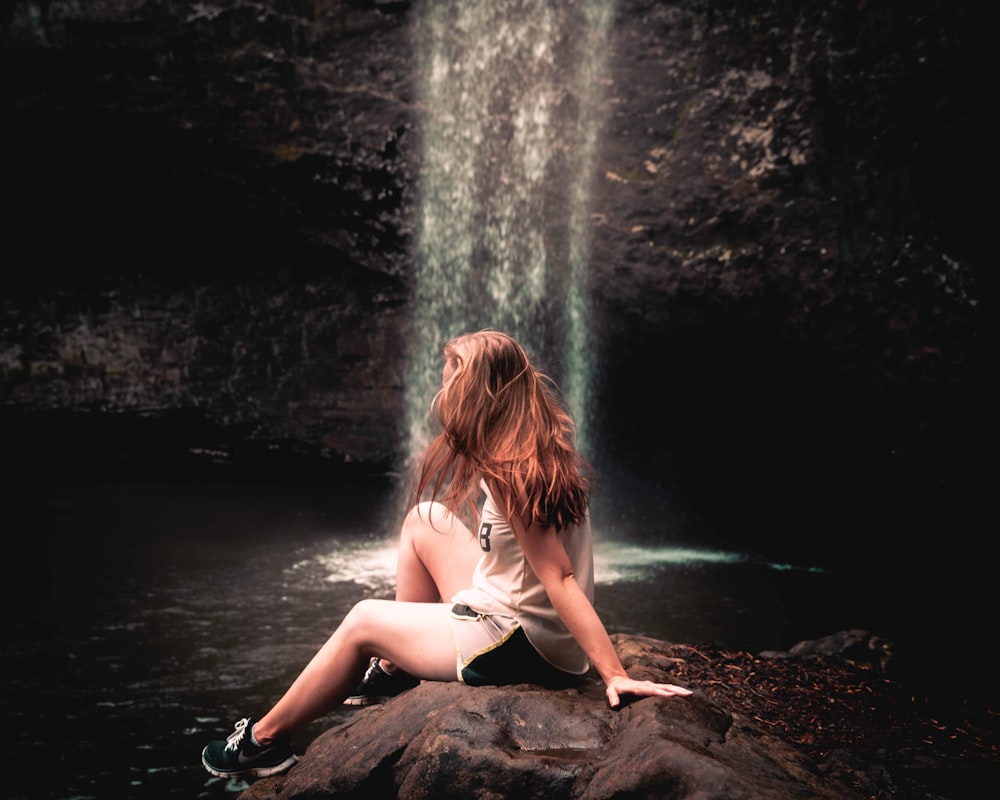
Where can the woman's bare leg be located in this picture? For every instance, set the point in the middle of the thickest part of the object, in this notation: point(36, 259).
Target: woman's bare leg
point(416, 636)
point(437, 554)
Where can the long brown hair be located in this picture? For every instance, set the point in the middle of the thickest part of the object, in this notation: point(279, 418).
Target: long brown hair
point(504, 422)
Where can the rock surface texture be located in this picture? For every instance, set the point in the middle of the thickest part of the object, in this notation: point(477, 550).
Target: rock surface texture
point(444, 740)
point(448, 740)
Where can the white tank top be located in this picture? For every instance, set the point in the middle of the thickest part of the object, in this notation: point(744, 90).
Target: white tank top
point(504, 583)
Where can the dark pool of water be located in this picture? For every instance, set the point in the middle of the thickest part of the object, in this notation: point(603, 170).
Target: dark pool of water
point(143, 619)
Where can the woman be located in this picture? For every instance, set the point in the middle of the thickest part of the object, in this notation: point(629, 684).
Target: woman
point(519, 590)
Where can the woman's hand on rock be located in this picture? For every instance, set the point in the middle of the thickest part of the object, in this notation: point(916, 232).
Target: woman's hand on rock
point(623, 685)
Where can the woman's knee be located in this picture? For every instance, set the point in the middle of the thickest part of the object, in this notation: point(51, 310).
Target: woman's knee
point(426, 518)
point(437, 554)
point(362, 616)
point(429, 513)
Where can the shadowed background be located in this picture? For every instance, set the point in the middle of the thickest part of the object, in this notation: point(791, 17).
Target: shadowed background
point(763, 214)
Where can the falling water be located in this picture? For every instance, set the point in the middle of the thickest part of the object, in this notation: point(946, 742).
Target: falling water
point(510, 95)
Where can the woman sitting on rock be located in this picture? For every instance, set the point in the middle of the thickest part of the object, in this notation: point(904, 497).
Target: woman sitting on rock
point(513, 599)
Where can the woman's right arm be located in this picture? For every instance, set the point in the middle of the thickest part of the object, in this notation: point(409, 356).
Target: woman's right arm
point(547, 557)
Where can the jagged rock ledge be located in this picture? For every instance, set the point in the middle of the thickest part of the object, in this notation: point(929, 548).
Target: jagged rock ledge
point(446, 740)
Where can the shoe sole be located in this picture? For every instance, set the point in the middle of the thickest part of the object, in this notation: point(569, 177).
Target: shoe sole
point(253, 772)
point(367, 700)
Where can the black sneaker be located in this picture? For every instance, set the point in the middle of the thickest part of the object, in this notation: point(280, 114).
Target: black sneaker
point(240, 756)
point(377, 685)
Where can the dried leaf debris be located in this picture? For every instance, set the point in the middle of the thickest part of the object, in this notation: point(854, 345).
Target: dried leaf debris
point(853, 720)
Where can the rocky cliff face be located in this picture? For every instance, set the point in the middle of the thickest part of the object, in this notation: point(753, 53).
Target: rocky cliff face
point(209, 245)
point(214, 223)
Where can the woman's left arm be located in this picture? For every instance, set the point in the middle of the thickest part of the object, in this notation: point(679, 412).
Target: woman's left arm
point(547, 557)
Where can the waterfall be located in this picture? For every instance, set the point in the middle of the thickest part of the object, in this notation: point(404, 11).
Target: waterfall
point(509, 92)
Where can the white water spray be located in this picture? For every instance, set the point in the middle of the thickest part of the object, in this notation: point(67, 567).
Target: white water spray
point(510, 92)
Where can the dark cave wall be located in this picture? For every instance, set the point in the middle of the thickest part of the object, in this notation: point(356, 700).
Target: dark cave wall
point(209, 256)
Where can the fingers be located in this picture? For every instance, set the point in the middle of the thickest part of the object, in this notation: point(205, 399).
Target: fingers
point(650, 687)
point(618, 687)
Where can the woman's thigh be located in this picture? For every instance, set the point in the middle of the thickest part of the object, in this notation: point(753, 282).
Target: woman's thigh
point(414, 636)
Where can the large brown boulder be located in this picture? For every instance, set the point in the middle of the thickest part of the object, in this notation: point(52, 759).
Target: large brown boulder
point(447, 740)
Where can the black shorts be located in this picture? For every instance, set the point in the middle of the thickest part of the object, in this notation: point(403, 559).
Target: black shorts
point(494, 651)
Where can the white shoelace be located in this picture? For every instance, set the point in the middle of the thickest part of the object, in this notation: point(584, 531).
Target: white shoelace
point(374, 668)
point(234, 739)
